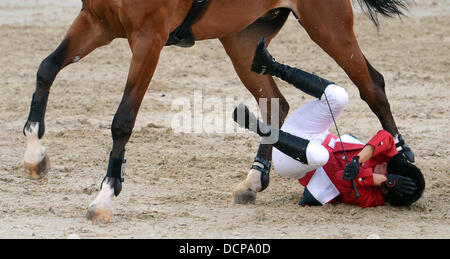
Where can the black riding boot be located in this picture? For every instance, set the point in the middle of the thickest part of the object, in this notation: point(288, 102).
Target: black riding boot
point(264, 63)
point(289, 144)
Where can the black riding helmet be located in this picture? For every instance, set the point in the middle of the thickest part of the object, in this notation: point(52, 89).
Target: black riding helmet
point(398, 165)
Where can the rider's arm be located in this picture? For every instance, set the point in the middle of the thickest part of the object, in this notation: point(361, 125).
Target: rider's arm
point(366, 153)
point(381, 144)
point(370, 195)
point(378, 179)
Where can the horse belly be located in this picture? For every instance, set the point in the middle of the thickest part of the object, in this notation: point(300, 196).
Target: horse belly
point(224, 17)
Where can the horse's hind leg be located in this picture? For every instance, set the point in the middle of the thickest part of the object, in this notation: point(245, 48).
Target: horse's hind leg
point(85, 35)
point(240, 48)
point(330, 25)
point(333, 32)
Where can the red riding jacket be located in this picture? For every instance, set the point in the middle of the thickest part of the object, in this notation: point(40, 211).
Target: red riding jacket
point(370, 195)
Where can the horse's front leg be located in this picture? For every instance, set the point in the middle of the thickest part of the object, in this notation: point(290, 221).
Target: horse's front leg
point(146, 50)
point(85, 35)
point(333, 31)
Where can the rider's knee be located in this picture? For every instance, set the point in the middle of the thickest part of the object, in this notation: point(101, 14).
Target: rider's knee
point(316, 154)
point(337, 97)
point(285, 166)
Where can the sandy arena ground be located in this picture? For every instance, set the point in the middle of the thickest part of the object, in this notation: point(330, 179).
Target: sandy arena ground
point(179, 185)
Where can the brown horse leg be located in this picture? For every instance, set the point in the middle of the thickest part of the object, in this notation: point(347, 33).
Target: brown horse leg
point(240, 48)
point(146, 47)
point(330, 25)
point(85, 35)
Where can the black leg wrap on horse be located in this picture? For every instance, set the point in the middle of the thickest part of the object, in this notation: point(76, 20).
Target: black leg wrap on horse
point(264, 63)
point(116, 172)
point(403, 148)
point(263, 166)
point(37, 113)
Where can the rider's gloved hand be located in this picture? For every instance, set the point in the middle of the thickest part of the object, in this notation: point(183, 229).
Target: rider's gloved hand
point(400, 185)
point(351, 170)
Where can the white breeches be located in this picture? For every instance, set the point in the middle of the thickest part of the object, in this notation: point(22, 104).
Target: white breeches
point(312, 122)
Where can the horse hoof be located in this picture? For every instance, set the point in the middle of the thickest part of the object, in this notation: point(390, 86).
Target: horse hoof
point(36, 171)
point(99, 214)
point(243, 194)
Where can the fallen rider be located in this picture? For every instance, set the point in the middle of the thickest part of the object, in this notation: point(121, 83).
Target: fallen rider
point(349, 171)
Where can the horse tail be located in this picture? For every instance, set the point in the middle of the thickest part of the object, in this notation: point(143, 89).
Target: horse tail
point(387, 8)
